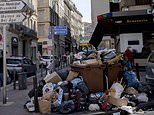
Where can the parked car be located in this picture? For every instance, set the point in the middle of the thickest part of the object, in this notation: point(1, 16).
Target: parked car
point(20, 64)
point(150, 71)
point(46, 59)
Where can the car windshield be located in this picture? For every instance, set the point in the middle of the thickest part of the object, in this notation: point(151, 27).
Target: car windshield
point(13, 61)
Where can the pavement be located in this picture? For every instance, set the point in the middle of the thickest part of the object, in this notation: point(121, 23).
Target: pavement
point(18, 98)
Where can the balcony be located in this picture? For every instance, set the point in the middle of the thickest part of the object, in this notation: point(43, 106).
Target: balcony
point(22, 30)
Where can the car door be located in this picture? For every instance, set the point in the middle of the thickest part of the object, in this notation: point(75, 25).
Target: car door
point(150, 66)
point(32, 66)
point(26, 66)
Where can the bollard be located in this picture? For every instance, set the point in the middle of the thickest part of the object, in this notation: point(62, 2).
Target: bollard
point(41, 70)
point(35, 94)
point(137, 71)
point(14, 79)
point(46, 70)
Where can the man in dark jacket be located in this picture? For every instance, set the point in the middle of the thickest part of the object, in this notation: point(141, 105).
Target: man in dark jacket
point(1, 69)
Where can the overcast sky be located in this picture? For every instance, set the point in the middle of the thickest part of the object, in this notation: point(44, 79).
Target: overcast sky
point(84, 6)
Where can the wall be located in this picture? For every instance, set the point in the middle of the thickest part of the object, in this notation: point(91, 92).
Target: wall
point(124, 38)
point(98, 7)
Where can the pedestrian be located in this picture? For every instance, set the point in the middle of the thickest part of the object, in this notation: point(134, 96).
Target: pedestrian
point(1, 69)
point(128, 55)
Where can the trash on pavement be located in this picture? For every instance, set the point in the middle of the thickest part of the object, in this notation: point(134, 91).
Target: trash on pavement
point(98, 82)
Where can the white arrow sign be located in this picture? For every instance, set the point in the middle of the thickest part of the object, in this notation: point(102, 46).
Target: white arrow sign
point(11, 6)
point(11, 18)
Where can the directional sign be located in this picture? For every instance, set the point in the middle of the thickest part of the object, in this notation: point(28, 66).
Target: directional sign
point(12, 17)
point(60, 30)
point(11, 6)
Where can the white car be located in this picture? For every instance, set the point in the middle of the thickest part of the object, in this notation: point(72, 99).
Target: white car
point(46, 59)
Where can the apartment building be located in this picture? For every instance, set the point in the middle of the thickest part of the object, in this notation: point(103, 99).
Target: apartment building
point(57, 13)
point(22, 37)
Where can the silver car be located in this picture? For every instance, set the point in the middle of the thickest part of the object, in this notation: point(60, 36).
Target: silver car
point(21, 64)
point(150, 71)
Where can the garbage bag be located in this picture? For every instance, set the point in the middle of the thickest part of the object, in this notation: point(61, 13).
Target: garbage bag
point(131, 79)
point(48, 88)
point(67, 107)
point(75, 82)
point(82, 87)
point(63, 73)
point(39, 92)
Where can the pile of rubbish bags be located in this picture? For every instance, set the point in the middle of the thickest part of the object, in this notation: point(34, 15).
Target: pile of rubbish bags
point(65, 91)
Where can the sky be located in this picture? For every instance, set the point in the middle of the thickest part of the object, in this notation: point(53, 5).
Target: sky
point(84, 6)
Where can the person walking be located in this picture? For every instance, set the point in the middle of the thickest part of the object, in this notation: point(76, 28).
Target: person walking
point(128, 55)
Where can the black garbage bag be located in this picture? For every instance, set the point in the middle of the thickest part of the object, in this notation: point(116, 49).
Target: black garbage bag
point(32, 92)
point(63, 73)
point(67, 107)
point(146, 106)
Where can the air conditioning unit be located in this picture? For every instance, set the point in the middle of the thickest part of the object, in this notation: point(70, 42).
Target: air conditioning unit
point(115, 1)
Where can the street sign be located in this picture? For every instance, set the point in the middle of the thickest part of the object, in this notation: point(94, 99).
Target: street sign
point(12, 6)
point(60, 30)
point(12, 18)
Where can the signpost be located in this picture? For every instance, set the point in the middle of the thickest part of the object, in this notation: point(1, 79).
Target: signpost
point(11, 6)
point(60, 30)
point(10, 12)
point(11, 18)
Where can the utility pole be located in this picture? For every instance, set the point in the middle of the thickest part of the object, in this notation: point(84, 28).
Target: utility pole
point(4, 65)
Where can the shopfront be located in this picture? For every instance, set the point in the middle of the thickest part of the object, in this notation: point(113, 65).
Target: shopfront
point(116, 23)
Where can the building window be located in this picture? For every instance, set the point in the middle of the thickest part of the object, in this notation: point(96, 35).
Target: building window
point(142, 2)
point(114, 7)
point(41, 29)
point(31, 23)
point(135, 42)
point(34, 25)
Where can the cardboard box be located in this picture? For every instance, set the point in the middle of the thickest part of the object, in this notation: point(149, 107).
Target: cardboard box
point(52, 78)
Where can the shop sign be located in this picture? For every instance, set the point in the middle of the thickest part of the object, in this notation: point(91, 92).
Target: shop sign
point(150, 11)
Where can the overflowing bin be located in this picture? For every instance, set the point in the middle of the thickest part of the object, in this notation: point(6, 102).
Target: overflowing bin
point(94, 75)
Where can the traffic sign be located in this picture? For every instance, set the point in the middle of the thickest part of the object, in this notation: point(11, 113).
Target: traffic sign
point(12, 6)
point(12, 18)
point(60, 30)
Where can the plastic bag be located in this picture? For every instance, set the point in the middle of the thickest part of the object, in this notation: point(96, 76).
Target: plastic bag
point(131, 79)
point(118, 88)
point(48, 88)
